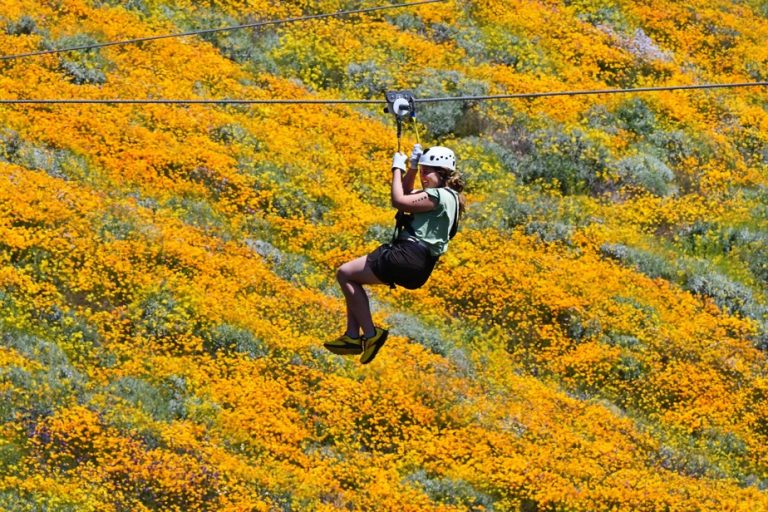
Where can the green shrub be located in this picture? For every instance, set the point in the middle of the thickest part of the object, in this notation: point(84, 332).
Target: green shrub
point(571, 161)
point(471, 39)
point(74, 329)
point(550, 231)
point(727, 294)
point(228, 338)
point(664, 151)
point(369, 78)
point(450, 491)
point(678, 147)
point(10, 144)
point(708, 238)
point(47, 353)
point(139, 6)
point(752, 145)
point(318, 358)
point(164, 315)
point(163, 401)
point(757, 260)
point(298, 203)
point(518, 52)
point(600, 117)
point(731, 296)
point(648, 173)
point(291, 267)
point(199, 212)
point(636, 116)
point(219, 186)
point(749, 246)
point(629, 368)
point(596, 12)
point(697, 238)
point(724, 442)
point(756, 70)
point(19, 384)
point(19, 500)
point(698, 277)
point(692, 463)
point(25, 25)
point(443, 33)
point(234, 133)
point(407, 22)
point(81, 66)
point(517, 212)
point(461, 118)
point(250, 47)
point(48, 160)
point(462, 363)
point(413, 329)
point(760, 340)
point(36, 393)
point(482, 161)
point(622, 340)
point(681, 152)
point(58, 163)
point(537, 213)
point(263, 175)
point(119, 222)
point(83, 73)
point(576, 327)
point(646, 263)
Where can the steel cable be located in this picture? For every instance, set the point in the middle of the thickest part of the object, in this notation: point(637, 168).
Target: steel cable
point(531, 95)
point(222, 29)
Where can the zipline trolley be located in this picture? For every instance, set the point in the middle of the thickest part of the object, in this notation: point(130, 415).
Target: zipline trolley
point(402, 104)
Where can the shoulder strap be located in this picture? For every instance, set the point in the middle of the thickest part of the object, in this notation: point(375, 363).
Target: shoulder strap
point(455, 226)
point(402, 222)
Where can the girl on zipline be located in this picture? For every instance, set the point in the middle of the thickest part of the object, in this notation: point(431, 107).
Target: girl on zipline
point(426, 220)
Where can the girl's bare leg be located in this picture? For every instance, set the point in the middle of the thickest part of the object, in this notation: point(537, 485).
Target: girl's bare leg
point(351, 276)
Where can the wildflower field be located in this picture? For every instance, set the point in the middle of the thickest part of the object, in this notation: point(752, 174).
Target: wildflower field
point(594, 340)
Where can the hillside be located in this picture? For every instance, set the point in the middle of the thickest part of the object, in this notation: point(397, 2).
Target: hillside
point(595, 338)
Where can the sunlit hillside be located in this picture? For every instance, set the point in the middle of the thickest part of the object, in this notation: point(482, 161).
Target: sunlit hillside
point(595, 339)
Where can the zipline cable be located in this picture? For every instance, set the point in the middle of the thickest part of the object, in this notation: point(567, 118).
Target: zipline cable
point(159, 101)
point(528, 95)
point(591, 92)
point(222, 29)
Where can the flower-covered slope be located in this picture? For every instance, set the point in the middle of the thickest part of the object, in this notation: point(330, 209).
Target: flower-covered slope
point(594, 339)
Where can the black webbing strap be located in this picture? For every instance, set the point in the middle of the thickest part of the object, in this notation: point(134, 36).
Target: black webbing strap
point(402, 222)
point(455, 226)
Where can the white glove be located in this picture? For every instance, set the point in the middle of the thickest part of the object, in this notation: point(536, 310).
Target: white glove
point(398, 161)
point(416, 155)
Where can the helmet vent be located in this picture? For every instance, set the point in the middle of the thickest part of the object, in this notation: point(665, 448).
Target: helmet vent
point(439, 156)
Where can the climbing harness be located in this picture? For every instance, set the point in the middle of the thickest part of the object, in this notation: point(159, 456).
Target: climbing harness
point(402, 223)
point(402, 105)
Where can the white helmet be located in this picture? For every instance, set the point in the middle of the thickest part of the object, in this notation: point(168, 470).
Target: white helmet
point(439, 156)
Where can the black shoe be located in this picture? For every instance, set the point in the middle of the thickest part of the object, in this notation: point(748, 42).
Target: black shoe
point(372, 345)
point(345, 346)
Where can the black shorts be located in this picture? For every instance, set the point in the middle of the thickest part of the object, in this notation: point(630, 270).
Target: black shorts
point(403, 262)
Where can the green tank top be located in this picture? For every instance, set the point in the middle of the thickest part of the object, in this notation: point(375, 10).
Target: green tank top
point(434, 227)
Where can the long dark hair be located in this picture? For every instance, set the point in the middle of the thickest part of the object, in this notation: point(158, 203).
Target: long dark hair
point(455, 181)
